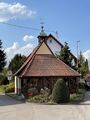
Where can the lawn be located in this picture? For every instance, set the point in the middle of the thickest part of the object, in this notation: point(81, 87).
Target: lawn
point(2, 88)
point(77, 97)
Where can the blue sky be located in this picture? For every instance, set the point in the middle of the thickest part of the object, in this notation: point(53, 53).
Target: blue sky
point(71, 18)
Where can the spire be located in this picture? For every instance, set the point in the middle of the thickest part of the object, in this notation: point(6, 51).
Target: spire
point(42, 33)
point(42, 26)
point(42, 36)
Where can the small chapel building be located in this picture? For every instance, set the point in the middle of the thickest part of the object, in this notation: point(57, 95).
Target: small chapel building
point(42, 68)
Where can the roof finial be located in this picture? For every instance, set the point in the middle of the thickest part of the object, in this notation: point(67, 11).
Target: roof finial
point(42, 33)
point(42, 26)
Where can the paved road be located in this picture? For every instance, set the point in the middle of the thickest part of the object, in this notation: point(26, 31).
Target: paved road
point(87, 98)
point(11, 109)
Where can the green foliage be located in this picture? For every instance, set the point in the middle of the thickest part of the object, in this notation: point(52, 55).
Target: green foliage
point(16, 62)
point(77, 97)
point(10, 88)
point(40, 99)
point(43, 97)
point(65, 55)
point(60, 92)
point(45, 91)
point(2, 88)
point(3, 80)
point(72, 84)
point(84, 68)
point(2, 57)
point(32, 92)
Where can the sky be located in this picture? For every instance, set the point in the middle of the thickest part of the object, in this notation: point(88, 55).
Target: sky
point(70, 18)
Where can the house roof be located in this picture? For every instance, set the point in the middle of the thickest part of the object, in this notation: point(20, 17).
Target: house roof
point(50, 35)
point(38, 65)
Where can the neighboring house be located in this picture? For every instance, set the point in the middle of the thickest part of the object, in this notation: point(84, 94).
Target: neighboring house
point(42, 68)
point(56, 47)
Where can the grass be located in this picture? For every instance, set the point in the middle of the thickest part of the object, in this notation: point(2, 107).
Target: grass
point(2, 88)
point(77, 97)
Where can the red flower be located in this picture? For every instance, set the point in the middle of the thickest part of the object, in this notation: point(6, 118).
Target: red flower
point(30, 94)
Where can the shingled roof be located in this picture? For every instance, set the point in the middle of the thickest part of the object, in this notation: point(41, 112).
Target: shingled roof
point(43, 64)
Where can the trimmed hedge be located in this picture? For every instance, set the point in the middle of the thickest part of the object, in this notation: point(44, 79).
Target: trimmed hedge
point(60, 93)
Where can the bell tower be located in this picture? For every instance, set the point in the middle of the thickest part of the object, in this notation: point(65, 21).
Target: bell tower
point(42, 36)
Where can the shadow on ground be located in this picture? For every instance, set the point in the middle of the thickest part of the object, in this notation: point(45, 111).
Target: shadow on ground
point(6, 100)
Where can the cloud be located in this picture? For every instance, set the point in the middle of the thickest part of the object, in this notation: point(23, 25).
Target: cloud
point(86, 54)
point(14, 11)
point(27, 38)
point(12, 48)
point(26, 50)
point(15, 48)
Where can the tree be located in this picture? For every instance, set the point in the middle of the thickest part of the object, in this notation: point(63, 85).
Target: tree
point(65, 55)
point(84, 67)
point(2, 57)
point(16, 62)
point(60, 93)
point(81, 58)
point(3, 77)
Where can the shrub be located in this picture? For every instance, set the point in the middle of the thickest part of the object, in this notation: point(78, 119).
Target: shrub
point(43, 97)
point(3, 80)
point(10, 88)
point(60, 92)
point(40, 99)
point(24, 90)
point(32, 92)
point(45, 91)
point(2, 88)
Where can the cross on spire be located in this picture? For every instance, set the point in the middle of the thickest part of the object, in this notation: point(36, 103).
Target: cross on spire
point(42, 26)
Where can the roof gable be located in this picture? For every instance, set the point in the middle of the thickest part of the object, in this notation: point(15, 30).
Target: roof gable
point(44, 49)
point(38, 50)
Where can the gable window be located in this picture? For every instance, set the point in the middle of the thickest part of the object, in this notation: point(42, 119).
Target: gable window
point(50, 40)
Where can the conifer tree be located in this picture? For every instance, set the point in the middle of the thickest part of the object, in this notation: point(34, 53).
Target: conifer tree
point(84, 67)
point(16, 62)
point(2, 57)
point(65, 55)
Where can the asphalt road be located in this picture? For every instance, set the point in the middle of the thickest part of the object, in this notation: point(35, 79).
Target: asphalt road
point(11, 109)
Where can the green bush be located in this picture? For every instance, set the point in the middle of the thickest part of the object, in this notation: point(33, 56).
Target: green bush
point(40, 99)
point(32, 92)
point(45, 91)
point(2, 88)
point(3, 80)
point(60, 92)
point(10, 88)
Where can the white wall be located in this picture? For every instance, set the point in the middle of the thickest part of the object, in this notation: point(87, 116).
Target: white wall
point(54, 46)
